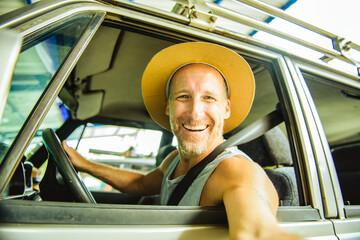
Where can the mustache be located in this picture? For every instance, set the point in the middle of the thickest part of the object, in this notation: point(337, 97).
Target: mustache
point(190, 121)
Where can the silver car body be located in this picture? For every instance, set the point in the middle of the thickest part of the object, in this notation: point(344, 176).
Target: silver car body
point(322, 215)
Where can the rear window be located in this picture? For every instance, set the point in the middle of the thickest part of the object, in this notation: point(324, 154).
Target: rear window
point(339, 111)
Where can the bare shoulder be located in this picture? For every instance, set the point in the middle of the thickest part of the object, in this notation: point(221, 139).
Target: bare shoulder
point(238, 167)
point(238, 172)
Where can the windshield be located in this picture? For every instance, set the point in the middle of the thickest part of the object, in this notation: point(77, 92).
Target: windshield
point(37, 63)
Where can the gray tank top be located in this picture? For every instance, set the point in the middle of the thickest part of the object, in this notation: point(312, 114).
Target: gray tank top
point(193, 194)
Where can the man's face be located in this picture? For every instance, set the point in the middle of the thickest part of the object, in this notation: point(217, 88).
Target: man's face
point(197, 108)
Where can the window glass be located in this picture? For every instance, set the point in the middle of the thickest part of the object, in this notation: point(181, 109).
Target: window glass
point(37, 63)
point(54, 119)
point(339, 111)
point(272, 150)
point(123, 147)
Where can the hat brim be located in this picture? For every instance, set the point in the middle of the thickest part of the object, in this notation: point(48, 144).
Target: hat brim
point(236, 70)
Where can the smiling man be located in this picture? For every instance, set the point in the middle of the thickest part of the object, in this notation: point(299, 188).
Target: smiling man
point(197, 107)
point(200, 91)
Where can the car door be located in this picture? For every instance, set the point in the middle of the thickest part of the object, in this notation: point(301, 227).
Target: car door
point(21, 218)
point(336, 112)
point(39, 42)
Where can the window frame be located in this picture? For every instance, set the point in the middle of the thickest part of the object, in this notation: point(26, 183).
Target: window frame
point(22, 140)
point(345, 81)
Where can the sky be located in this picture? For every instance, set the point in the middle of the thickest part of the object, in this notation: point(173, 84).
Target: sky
point(335, 16)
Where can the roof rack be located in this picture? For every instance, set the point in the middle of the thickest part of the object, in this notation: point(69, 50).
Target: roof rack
point(204, 14)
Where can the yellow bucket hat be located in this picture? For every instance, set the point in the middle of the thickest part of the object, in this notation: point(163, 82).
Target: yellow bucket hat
point(233, 67)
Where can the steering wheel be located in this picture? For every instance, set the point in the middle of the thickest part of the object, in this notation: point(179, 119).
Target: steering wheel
point(66, 169)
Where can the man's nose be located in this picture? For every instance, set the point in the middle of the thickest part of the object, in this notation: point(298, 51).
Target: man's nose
point(197, 109)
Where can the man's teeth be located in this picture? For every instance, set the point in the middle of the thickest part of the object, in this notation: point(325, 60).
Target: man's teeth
point(195, 128)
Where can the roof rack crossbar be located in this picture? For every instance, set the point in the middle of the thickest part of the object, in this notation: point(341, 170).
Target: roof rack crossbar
point(258, 25)
point(340, 49)
point(276, 12)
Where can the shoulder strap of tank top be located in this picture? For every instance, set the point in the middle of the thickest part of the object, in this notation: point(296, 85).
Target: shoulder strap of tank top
point(190, 176)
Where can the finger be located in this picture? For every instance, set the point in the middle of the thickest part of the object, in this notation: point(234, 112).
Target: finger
point(64, 144)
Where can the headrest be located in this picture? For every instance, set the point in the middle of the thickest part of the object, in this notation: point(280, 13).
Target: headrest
point(270, 149)
point(163, 152)
point(278, 147)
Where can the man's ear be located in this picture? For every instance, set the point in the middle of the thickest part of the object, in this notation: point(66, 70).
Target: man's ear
point(227, 109)
point(167, 108)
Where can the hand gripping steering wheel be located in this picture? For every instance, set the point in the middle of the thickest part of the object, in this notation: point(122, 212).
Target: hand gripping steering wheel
point(66, 169)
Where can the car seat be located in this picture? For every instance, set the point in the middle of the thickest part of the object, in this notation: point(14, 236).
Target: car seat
point(272, 152)
point(163, 152)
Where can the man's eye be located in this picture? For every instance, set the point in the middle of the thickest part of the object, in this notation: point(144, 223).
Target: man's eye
point(209, 98)
point(183, 97)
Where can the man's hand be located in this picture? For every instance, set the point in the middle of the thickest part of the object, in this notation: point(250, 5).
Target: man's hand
point(76, 159)
point(131, 182)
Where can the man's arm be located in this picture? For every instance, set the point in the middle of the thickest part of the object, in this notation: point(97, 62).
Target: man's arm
point(250, 200)
point(126, 181)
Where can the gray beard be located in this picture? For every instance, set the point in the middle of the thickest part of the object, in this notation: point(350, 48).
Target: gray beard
point(194, 146)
